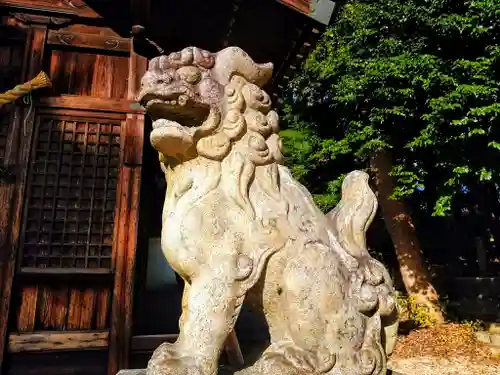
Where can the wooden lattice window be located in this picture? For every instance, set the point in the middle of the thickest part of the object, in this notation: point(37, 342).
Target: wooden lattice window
point(71, 196)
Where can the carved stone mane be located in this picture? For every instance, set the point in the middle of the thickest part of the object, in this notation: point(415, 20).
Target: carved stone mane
point(237, 224)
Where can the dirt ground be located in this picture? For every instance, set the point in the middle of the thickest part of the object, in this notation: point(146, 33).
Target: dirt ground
point(451, 349)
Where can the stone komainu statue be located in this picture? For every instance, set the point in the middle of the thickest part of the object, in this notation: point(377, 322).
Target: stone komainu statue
point(237, 225)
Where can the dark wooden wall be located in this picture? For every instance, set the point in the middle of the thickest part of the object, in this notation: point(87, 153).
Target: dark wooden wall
point(68, 221)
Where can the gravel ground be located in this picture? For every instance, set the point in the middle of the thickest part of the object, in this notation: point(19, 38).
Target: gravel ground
point(451, 349)
point(441, 366)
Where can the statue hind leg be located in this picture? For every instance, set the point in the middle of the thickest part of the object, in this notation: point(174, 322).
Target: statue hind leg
point(323, 330)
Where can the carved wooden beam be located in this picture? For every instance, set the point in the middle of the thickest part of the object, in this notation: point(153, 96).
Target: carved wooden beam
point(88, 40)
point(36, 19)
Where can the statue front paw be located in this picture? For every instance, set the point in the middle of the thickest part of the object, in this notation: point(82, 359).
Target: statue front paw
point(374, 272)
point(174, 366)
point(286, 355)
point(166, 360)
point(375, 285)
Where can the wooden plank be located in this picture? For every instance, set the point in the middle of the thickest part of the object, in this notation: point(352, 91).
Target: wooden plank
point(9, 120)
point(54, 307)
point(88, 73)
point(303, 6)
point(102, 308)
point(84, 40)
point(90, 103)
point(60, 305)
point(137, 66)
point(90, 29)
point(87, 308)
point(81, 309)
point(126, 226)
point(134, 125)
point(133, 225)
point(50, 341)
point(18, 153)
point(73, 7)
point(124, 249)
point(119, 238)
point(27, 309)
point(134, 140)
point(69, 115)
point(28, 19)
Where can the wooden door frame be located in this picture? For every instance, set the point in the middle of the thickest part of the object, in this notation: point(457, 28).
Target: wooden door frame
point(126, 224)
point(128, 190)
point(19, 156)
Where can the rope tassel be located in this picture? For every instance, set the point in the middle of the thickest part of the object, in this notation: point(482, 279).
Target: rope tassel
point(40, 81)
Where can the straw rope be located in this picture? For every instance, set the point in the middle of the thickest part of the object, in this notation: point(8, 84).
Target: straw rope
point(40, 81)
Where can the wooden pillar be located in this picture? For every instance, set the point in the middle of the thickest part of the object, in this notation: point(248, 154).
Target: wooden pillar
point(126, 224)
point(11, 197)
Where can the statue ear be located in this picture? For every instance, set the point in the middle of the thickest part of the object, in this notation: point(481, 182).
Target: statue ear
point(234, 61)
point(350, 220)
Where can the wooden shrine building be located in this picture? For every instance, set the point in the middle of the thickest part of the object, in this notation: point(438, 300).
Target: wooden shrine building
point(84, 288)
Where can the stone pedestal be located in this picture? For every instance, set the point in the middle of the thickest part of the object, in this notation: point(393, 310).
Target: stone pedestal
point(221, 372)
point(141, 371)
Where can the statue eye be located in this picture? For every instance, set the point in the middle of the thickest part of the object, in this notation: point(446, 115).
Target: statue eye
point(189, 74)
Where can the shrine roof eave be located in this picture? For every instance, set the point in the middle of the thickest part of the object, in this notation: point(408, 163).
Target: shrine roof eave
point(268, 30)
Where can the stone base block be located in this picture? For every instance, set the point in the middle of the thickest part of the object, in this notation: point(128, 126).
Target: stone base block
point(141, 371)
point(222, 372)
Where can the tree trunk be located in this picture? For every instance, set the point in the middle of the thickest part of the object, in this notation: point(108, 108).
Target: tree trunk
point(415, 275)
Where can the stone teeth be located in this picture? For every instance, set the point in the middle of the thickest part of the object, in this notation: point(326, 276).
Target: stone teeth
point(173, 102)
point(183, 100)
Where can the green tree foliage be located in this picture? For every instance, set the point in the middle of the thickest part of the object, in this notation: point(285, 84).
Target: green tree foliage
point(418, 77)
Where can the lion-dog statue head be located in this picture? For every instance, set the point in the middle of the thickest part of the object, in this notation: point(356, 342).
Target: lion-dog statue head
point(203, 104)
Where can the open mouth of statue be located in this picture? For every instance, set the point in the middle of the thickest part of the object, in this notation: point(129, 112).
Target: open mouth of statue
point(177, 107)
